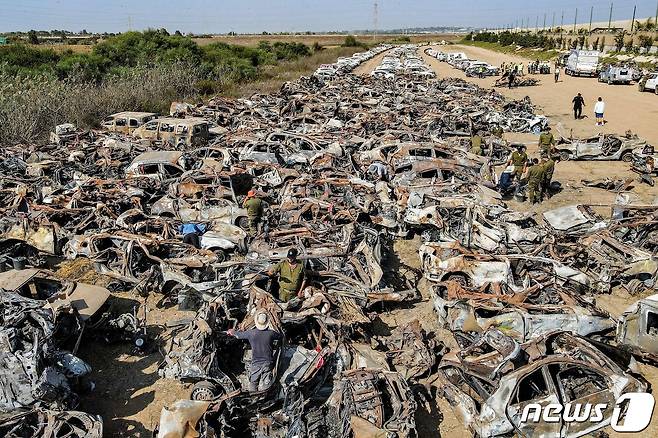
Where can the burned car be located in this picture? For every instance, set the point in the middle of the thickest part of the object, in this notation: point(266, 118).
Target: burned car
point(504, 391)
point(609, 147)
point(42, 285)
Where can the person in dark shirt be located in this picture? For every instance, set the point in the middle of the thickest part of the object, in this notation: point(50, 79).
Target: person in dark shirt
point(261, 339)
point(578, 103)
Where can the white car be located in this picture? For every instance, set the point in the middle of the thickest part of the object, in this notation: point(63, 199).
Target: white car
point(649, 83)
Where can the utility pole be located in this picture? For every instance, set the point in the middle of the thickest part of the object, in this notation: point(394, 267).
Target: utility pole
point(655, 22)
point(610, 18)
point(375, 16)
point(537, 24)
point(544, 26)
point(562, 25)
point(591, 12)
point(633, 20)
point(575, 20)
point(553, 25)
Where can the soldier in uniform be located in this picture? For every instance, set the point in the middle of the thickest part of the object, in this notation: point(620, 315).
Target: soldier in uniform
point(549, 168)
point(476, 144)
point(254, 207)
point(518, 159)
point(535, 174)
point(546, 141)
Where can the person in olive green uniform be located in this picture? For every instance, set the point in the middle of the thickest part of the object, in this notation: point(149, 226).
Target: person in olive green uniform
point(476, 144)
point(254, 207)
point(535, 175)
point(292, 276)
point(549, 168)
point(518, 159)
point(497, 131)
point(546, 141)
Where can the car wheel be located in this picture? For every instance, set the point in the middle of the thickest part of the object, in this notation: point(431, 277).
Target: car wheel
point(536, 129)
point(204, 391)
point(459, 278)
point(565, 156)
point(627, 157)
point(221, 255)
point(243, 223)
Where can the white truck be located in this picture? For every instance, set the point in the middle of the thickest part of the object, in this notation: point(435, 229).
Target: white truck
point(583, 63)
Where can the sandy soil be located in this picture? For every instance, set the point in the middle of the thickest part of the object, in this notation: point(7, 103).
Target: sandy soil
point(370, 65)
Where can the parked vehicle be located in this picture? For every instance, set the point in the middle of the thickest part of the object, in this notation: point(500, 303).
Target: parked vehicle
point(649, 83)
point(616, 75)
point(189, 132)
point(583, 63)
point(126, 122)
point(160, 165)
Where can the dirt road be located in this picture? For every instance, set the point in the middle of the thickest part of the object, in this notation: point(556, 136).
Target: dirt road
point(626, 107)
point(370, 65)
point(554, 101)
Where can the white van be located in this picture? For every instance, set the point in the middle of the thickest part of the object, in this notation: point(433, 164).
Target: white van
point(583, 63)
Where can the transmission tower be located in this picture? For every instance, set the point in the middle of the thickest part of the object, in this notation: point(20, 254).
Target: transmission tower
point(375, 20)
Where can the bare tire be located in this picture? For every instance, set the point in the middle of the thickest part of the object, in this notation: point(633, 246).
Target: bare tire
point(221, 255)
point(204, 391)
point(459, 278)
point(243, 223)
point(565, 156)
point(627, 157)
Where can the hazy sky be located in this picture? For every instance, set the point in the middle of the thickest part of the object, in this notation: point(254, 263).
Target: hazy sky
point(243, 16)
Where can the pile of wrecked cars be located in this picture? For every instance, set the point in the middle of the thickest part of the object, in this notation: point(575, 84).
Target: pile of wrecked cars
point(345, 165)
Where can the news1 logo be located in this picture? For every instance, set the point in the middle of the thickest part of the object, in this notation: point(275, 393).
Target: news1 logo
point(638, 411)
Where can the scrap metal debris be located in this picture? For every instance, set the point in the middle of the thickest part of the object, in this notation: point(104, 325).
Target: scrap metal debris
point(342, 166)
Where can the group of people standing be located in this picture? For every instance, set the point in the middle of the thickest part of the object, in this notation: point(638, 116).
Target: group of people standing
point(599, 109)
point(536, 174)
point(516, 69)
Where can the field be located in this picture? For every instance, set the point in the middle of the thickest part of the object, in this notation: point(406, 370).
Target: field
point(324, 40)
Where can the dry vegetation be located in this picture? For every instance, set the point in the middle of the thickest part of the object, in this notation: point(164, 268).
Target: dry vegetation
point(273, 76)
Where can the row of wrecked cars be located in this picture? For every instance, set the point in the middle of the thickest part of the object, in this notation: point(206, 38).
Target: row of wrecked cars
point(525, 319)
point(345, 165)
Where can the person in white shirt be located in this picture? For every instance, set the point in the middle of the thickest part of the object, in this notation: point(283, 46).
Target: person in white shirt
point(599, 108)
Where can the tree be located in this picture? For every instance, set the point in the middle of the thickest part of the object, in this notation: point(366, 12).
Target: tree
point(350, 41)
point(32, 37)
point(646, 41)
point(178, 33)
point(619, 40)
point(602, 46)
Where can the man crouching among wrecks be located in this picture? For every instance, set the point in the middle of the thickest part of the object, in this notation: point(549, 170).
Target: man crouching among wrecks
point(262, 341)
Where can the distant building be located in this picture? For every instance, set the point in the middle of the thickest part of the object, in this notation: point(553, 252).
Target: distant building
point(605, 29)
point(3, 41)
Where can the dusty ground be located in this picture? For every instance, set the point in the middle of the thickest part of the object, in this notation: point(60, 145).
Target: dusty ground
point(129, 393)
